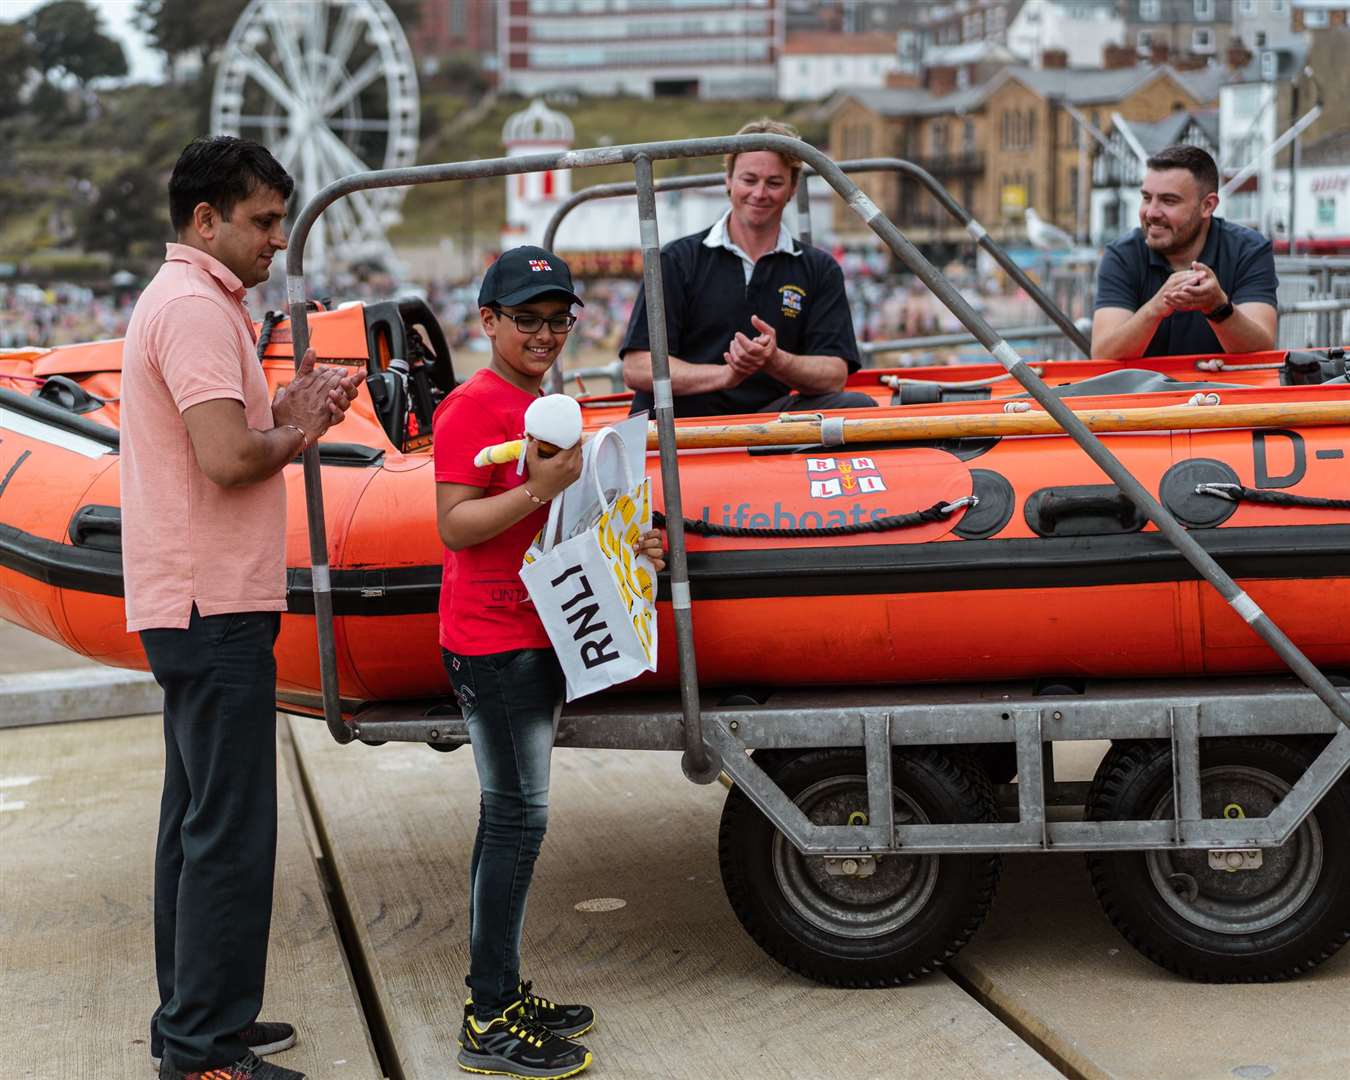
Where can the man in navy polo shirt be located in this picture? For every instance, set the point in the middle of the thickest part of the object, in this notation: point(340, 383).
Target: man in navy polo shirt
point(756, 320)
point(1185, 281)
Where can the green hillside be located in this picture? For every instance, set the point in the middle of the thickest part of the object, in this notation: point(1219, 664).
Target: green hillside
point(52, 170)
point(435, 209)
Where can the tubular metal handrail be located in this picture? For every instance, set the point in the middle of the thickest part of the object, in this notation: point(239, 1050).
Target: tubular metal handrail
point(1038, 332)
point(956, 337)
point(702, 762)
point(906, 168)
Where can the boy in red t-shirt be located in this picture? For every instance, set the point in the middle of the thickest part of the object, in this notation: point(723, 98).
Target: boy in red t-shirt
point(505, 674)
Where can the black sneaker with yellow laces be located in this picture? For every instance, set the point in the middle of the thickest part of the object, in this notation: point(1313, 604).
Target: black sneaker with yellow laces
point(569, 1021)
point(515, 1045)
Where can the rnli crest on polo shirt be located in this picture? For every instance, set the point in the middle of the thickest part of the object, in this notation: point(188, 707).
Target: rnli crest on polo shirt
point(793, 297)
point(833, 477)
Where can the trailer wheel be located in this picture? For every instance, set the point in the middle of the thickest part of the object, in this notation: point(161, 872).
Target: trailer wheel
point(1259, 925)
point(910, 916)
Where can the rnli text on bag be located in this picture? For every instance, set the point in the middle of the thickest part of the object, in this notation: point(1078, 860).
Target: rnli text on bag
point(593, 653)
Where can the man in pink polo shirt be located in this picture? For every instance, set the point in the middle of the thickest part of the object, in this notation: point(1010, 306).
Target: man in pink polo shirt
point(203, 560)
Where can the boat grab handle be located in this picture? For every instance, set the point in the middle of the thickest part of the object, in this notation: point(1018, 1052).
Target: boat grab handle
point(1090, 509)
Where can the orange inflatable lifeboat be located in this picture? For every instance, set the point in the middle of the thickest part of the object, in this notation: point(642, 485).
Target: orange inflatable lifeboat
point(1051, 572)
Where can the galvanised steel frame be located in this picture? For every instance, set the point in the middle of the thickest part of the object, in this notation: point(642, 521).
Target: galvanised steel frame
point(1179, 711)
point(721, 740)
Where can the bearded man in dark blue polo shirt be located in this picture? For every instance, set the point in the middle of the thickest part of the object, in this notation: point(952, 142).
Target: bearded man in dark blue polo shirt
point(1185, 281)
point(756, 321)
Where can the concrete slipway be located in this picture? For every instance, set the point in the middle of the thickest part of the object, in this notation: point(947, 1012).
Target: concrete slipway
point(368, 950)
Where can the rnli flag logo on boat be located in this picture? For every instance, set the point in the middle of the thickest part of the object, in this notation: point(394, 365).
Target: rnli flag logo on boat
point(832, 478)
point(792, 295)
point(539, 264)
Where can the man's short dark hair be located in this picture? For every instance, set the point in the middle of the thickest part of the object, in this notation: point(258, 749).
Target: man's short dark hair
point(222, 171)
point(1191, 158)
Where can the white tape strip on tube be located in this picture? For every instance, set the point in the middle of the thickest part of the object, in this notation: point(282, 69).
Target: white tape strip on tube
point(647, 231)
point(976, 230)
point(319, 575)
point(863, 206)
point(679, 594)
point(832, 431)
point(1006, 355)
point(662, 398)
point(1245, 606)
point(295, 290)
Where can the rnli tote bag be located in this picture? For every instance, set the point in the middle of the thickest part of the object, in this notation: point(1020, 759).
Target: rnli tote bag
point(595, 597)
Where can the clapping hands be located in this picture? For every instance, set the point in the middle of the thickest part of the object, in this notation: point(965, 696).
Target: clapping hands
point(745, 355)
point(317, 398)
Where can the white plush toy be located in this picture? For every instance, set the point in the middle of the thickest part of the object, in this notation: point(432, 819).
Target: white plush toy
point(553, 421)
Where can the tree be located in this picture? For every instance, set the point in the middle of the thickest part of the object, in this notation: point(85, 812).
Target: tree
point(126, 215)
point(68, 38)
point(17, 60)
point(179, 27)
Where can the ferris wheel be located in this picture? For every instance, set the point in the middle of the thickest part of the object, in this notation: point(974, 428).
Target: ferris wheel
point(330, 88)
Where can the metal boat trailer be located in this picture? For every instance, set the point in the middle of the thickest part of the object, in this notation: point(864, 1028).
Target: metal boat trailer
point(861, 836)
point(1024, 717)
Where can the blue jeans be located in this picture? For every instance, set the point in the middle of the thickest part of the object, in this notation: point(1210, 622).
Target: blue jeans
point(511, 702)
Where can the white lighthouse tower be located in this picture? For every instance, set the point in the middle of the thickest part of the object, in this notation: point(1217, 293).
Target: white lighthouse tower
point(531, 198)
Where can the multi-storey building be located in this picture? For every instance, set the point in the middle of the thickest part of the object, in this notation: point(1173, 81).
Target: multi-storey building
point(959, 21)
point(1012, 142)
point(814, 64)
point(1178, 28)
point(446, 27)
point(849, 16)
point(1080, 29)
point(1320, 190)
point(1320, 14)
point(704, 48)
point(1265, 24)
point(1262, 102)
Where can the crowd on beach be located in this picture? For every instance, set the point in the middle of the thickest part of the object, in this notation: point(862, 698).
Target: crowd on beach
point(61, 314)
point(883, 306)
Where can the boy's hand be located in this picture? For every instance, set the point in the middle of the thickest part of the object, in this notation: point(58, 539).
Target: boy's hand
point(549, 477)
point(653, 547)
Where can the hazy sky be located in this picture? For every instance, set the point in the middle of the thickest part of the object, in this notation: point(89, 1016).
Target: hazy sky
point(144, 63)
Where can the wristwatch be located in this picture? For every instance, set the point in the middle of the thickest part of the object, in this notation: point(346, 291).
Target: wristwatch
point(1221, 312)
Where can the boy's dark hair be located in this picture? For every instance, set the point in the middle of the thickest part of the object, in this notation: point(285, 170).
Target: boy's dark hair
point(222, 171)
point(1191, 158)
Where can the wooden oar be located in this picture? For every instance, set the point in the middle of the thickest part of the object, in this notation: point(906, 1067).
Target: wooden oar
point(917, 428)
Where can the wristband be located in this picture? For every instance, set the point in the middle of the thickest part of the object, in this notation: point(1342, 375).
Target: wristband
point(304, 436)
point(536, 499)
point(1221, 312)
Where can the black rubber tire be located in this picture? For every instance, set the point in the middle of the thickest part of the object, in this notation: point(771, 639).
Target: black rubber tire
point(1132, 779)
point(998, 760)
point(946, 789)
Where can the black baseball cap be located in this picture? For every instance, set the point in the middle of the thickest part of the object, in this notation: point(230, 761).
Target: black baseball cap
point(524, 273)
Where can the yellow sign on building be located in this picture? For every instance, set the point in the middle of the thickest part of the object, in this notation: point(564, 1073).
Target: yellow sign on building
point(1013, 198)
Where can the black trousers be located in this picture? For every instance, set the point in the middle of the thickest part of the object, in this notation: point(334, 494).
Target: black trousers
point(833, 399)
point(216, 852)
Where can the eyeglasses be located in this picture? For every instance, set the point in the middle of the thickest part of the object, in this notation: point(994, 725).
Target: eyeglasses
point(531, 324)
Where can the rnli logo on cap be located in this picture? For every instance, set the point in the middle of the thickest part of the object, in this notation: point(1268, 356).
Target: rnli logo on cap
point(539, 264)
point(834, 477)
point(793, 297)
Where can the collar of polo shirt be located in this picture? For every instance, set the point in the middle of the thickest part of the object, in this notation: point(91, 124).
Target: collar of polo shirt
point(718, 237)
